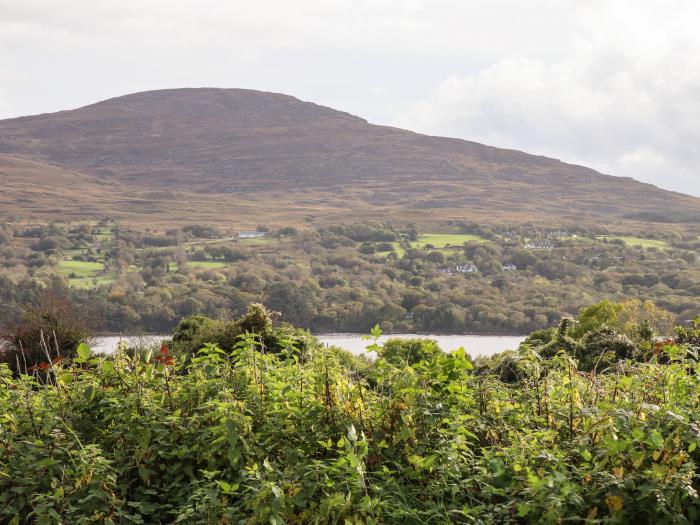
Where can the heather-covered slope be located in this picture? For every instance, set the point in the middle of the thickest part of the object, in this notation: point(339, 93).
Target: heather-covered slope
point(256, 149)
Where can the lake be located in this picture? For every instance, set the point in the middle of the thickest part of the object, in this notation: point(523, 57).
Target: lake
point(475, 345)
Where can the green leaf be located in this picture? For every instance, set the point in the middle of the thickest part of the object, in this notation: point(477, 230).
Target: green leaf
point(84, 351)
point(656, 439)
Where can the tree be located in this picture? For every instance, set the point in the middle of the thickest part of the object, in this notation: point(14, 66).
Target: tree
point(596, 316)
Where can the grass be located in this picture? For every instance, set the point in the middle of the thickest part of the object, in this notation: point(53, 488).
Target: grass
point(172, 267)
point(69, 255)
point(398, 250)
point(80, 268)
point(104, 233)
point(255, 241)
point(208, 264)
point(92, 282)
point(443, 240)
point(82, 274)
point(638, 241)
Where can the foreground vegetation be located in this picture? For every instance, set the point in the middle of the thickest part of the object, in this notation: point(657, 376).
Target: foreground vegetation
point(596, 421)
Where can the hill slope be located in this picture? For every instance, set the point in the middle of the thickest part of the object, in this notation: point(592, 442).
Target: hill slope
point(239, 155)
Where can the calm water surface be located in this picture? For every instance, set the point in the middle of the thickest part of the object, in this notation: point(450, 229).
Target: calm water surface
point(475, 345)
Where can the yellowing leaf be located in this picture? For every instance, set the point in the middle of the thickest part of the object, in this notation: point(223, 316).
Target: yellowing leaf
point(615, 503)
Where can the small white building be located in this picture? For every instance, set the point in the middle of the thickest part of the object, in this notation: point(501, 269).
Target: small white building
point(539, 245)
point(250, 235)
point(466, 268)
point(509, 267)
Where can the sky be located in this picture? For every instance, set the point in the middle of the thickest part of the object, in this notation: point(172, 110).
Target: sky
point(610, 84)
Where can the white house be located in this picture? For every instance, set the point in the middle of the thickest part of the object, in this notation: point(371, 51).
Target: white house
point(539, 245)
point(250, 235)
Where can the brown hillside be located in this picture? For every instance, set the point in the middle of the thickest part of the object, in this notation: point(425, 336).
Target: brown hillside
point(230, 154)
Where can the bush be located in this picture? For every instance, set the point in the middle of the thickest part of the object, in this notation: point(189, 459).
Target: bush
point(605, 347)
point(409, 351)
point(196, 331)
point(52, 326)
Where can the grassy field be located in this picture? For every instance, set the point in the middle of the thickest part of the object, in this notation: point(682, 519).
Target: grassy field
point(208, 264)
point(638, 241)
point(104, 234)
point(259, 241)
point(397, 249)
point(83, 274)
point(172, 267)
point(80, 268)
point(92, 282)
point(442, 240)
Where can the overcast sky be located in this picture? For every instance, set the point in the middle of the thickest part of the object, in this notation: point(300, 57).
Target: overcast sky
point(611, 84)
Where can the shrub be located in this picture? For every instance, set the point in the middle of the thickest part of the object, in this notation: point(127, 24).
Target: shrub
point(196, 331)
point(605, 347)
point(409, 351)
point(53, 325)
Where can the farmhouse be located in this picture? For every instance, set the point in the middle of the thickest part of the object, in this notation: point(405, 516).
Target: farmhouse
point(250, 235)
point(539, 245)
point(466, 268)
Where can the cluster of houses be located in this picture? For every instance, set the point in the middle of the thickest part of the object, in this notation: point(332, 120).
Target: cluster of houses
point(559, 235)
point(553, 235)
point(539, 245)
point(471, 268)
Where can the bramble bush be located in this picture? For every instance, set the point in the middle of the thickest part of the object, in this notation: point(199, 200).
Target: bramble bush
point(245, 435)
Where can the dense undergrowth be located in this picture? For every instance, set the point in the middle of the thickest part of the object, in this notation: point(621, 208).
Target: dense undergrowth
point(308, 434)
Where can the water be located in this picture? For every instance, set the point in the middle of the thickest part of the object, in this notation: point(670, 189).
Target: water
point(475, 345)
point(108, 344)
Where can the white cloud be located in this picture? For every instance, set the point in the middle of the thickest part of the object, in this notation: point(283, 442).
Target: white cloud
point(624, 98)
point(335, 52)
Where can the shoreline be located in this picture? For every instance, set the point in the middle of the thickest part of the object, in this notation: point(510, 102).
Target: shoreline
point(346, 334)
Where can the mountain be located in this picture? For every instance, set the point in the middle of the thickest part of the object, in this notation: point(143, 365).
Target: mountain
point(242, 156)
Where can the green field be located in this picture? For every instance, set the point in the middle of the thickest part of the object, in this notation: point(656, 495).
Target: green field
point(83, 274)
point(638, 241)
point(80, 268)
point(205, 264)
point(442, 240)
point(255, 241)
